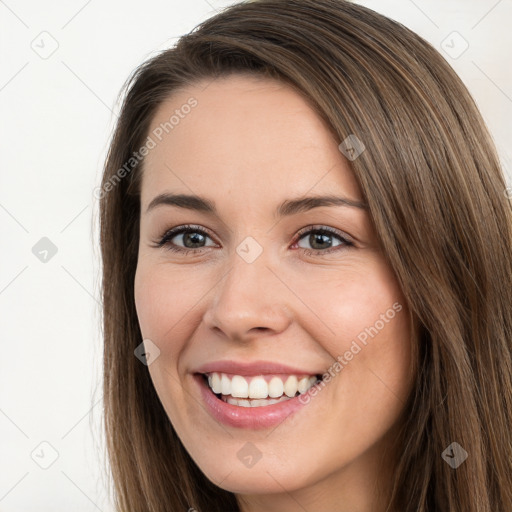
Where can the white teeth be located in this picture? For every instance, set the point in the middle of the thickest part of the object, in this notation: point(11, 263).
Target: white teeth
point(215, 383)
point(225, 385)
point(238, 390)
point(290, 386)
point(275, 387)
point(259, 403)
point(258, 388)
point(303, 385)
point(239, 387)
point(243, 402)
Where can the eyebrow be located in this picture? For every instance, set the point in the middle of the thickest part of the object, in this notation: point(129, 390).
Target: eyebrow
point(286, 208)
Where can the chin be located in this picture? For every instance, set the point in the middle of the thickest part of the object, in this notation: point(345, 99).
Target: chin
point(261, 478)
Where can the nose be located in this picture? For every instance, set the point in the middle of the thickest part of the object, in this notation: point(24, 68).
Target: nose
point(248, 301)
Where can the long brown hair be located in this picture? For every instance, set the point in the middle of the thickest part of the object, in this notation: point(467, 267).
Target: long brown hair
point(436, 194)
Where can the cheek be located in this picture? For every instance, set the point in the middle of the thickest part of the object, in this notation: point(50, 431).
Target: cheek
point(163, 309)
point(166, 301)
point(156, 303)
point(365, 328)
point(147, 291)
point(349, 304)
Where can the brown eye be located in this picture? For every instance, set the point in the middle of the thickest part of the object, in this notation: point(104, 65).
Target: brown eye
point(185, 238)
point(320, 240)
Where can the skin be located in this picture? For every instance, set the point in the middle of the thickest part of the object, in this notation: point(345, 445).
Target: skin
point(249, 144)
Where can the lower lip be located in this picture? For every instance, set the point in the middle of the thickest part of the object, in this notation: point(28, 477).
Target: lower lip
point(247, 417)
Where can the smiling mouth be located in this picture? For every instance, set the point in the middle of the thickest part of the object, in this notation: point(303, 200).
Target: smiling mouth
point(259, 390)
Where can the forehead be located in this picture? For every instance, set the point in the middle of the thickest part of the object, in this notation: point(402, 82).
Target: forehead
point(245, 133)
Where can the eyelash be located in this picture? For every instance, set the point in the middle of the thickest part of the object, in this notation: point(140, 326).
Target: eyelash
point(165, 240)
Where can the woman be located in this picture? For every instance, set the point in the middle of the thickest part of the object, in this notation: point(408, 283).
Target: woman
point(307, 250)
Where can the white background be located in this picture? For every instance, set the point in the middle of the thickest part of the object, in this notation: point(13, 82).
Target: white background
point(57, 115)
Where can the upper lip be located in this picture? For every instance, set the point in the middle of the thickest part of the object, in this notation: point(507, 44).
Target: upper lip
point(252, 368)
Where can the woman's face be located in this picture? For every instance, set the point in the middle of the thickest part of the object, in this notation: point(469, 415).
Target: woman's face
point(265, 291)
